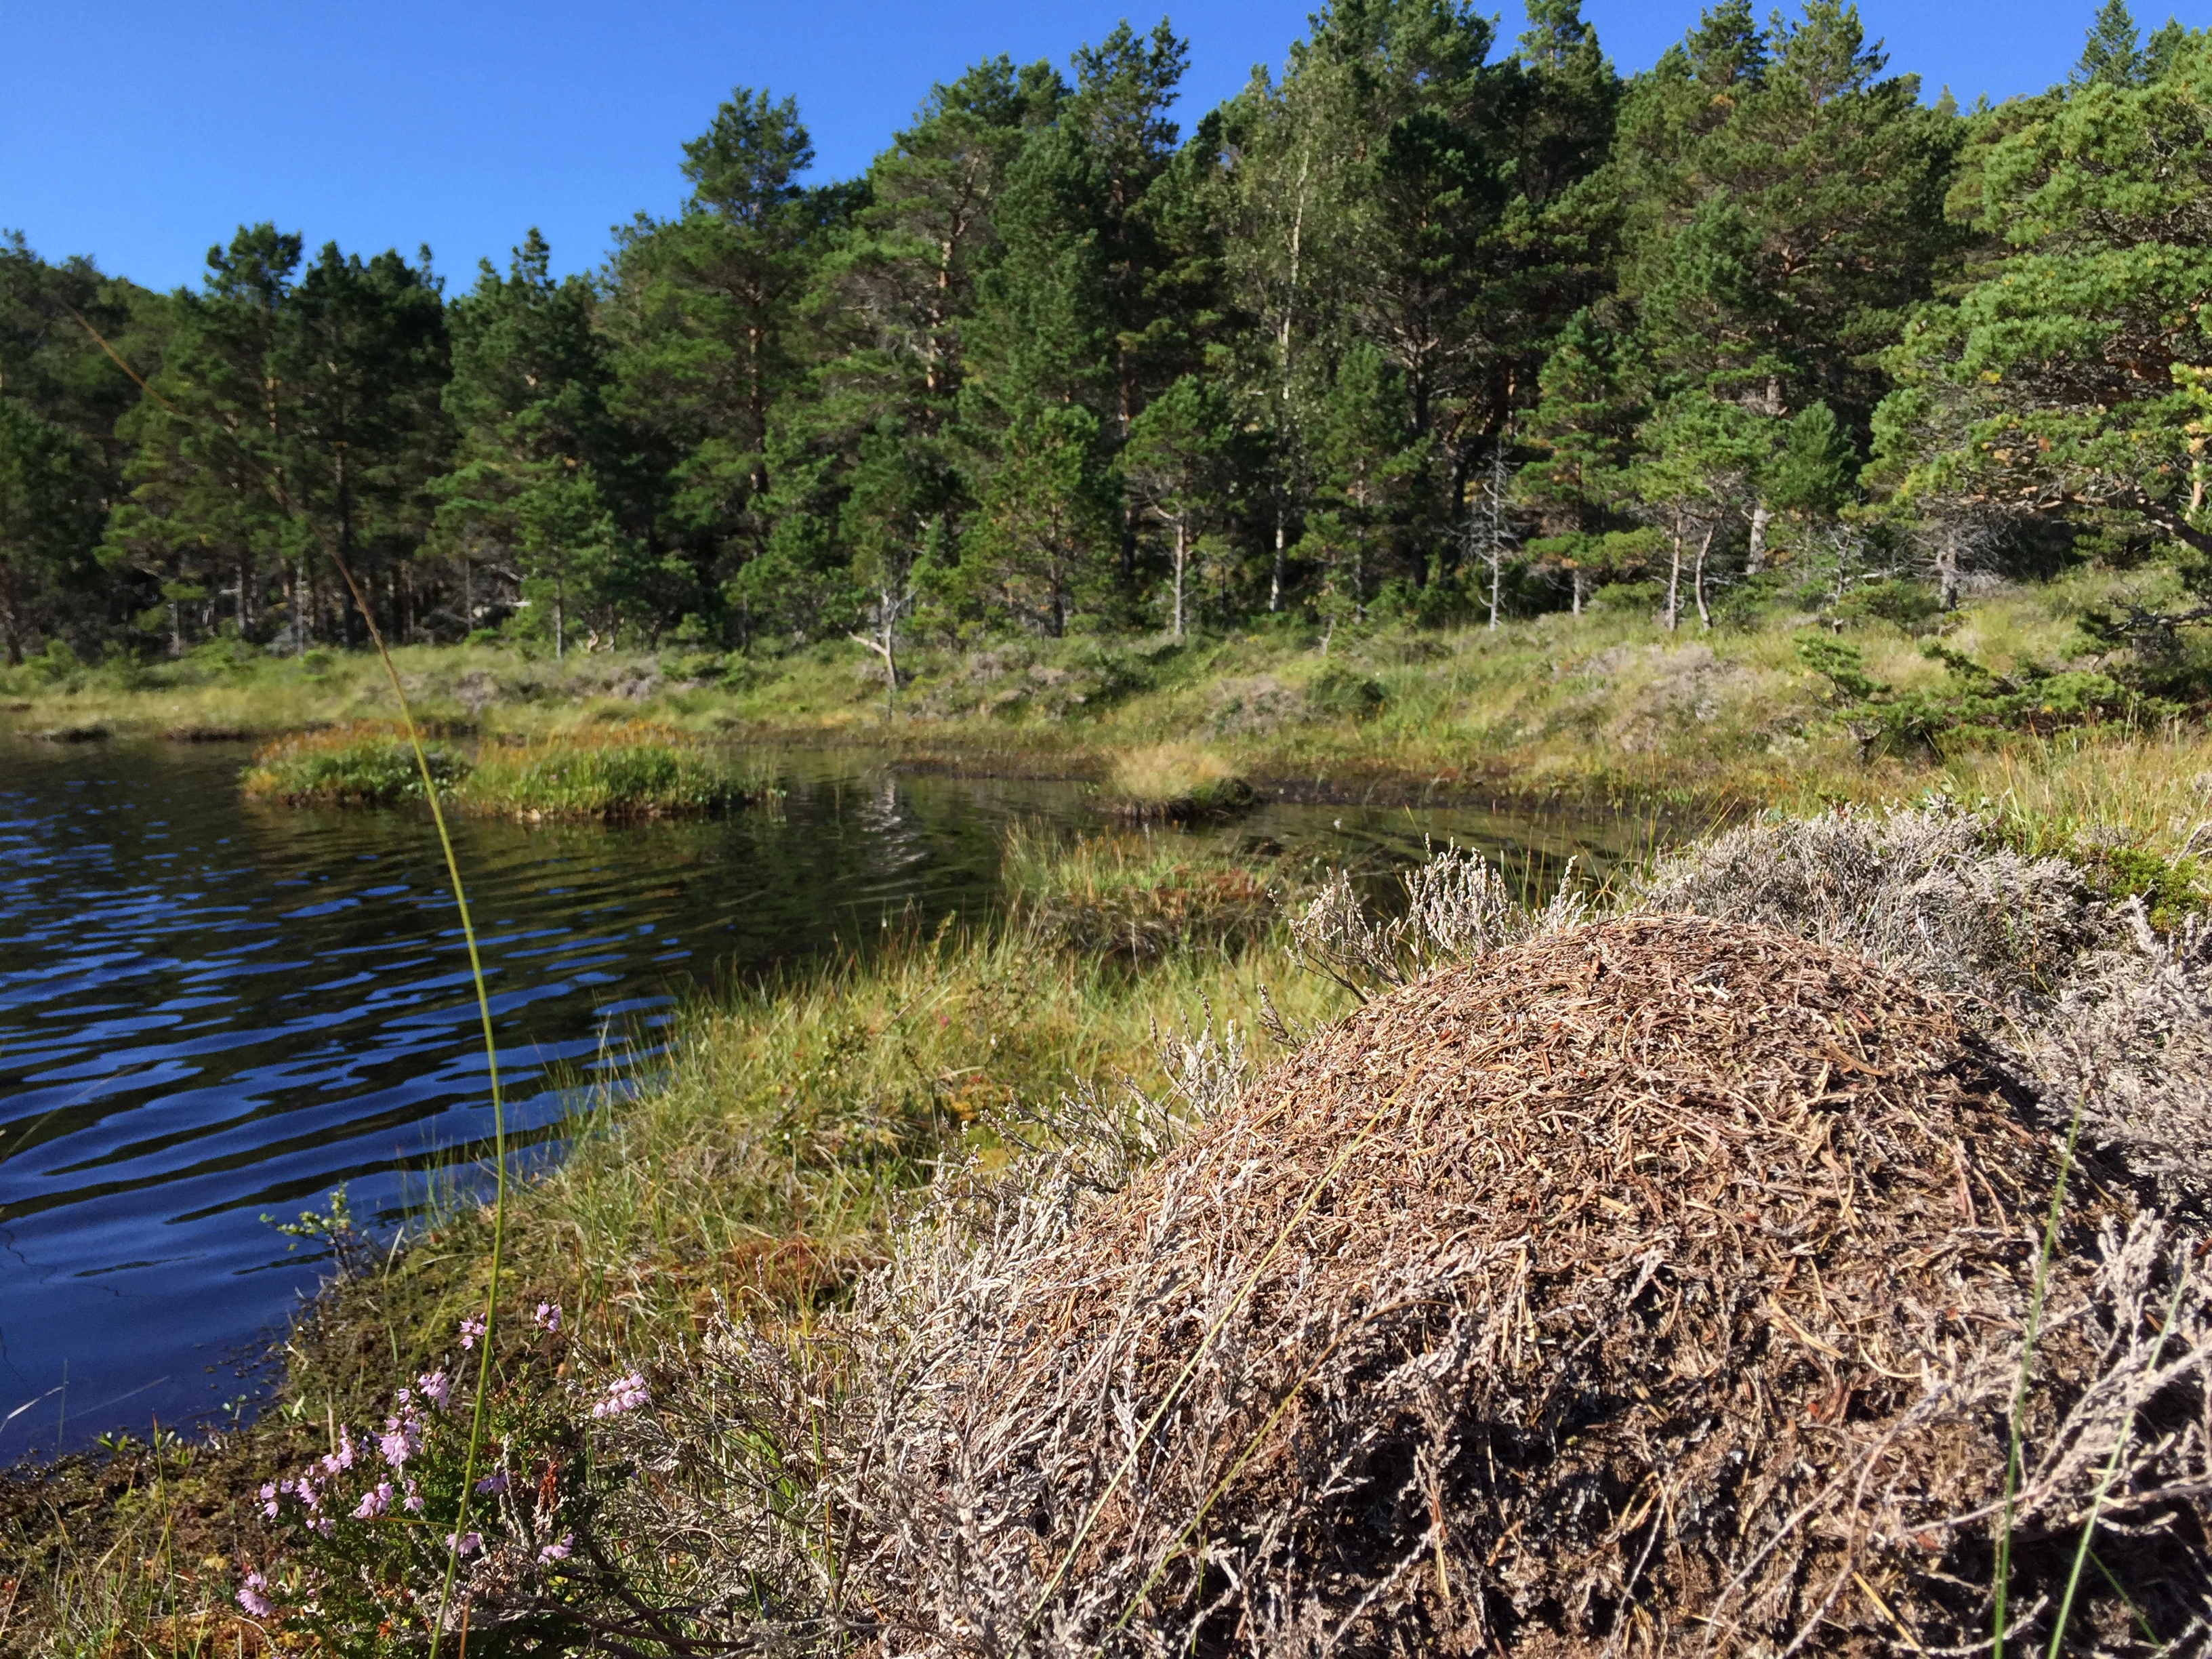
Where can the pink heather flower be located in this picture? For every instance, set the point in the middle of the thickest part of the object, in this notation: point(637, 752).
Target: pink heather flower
point(342, 1459)
point(557, 1552)
point(496, 1481)
point(250, 1598)
point(468, 1545)
point(549, 1317)
point(414, 1498)
point(269, 1500)
point(402, 1440)
point(471, 1328)
point(624, 1394)
point(437, 1388)
point(303, 1490)
point(323, 1525)
point(373, 1502)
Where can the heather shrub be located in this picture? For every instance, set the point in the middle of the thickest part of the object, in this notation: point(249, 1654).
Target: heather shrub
point(373, 1525)
point(1933, 892)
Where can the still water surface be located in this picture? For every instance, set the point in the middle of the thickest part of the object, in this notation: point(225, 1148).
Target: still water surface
point(210, 1012)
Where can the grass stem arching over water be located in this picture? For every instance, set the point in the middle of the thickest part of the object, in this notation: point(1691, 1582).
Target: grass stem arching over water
point(275, 486)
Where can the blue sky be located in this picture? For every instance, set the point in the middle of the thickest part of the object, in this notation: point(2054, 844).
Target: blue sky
point(139, 133)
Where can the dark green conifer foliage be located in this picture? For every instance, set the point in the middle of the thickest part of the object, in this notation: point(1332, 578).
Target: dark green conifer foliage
point(364, 356)
point(1180, 463)
point(49, 518)
point(2112, 55)
point(539, 464)
point(2073, 376)
point(200, 514)
point(705, 341)
point(60, 452)
point(1053, 362)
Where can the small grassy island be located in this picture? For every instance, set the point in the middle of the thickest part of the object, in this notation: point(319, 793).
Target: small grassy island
point(591, 772)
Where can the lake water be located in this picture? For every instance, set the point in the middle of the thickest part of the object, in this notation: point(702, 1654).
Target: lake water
point(212, 1012)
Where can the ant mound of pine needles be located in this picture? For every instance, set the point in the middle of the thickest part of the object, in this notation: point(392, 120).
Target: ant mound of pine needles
point(1664, 1285)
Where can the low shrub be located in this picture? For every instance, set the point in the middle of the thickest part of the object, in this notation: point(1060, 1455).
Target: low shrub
point(1977, 704)
point(366, 1531)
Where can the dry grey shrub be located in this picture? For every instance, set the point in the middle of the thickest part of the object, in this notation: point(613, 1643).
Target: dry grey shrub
point(1458, 909)
point(1926, 891)
point(2129, 1039)
point(1099, 1136)
point(2106, 1018)
point(765, 1457)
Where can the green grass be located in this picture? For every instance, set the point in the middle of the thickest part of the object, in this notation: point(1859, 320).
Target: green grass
point(1175, 782)
point(1141, 895)
point(628, 771)
point(595, 772)
point(368, 764)
point(765, 1159)
point(760, 1164)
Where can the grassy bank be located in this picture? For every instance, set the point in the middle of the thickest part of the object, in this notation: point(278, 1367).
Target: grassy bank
point(1606, 704)
point(759, 1166)
point(764, 1165)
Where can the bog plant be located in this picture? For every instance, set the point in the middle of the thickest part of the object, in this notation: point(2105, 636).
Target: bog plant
point(1175, 781)
point(367, 764)
point(604, 772)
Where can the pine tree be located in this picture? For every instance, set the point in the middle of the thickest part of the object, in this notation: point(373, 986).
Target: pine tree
point(1369, 468)
point(362, 350)
point(1180, 465)
point(1700, 464)
point(208, 483)
point(65, 456)
point(2112, 55)
point(528, 498)
point(49, 520)
point(1045, 521)
point(2061, 382)
point(705, 332)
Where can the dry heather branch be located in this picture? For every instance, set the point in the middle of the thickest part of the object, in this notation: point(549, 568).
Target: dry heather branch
point(2129, 1042)
point(1458, 908)
point(2109, 1018)
point(1101, 1135)
point(1927, 892)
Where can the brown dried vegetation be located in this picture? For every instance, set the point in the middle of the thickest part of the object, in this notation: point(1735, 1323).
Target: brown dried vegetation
point(1653, 1287)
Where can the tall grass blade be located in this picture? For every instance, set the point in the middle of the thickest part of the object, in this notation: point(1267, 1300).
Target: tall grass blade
point(2037, 1290)
point(2104, 1487)
point(282, 497)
